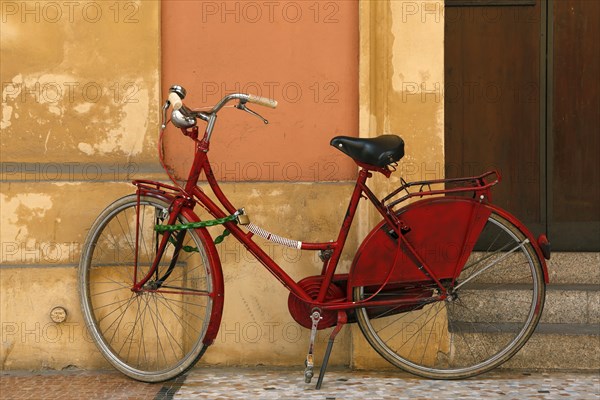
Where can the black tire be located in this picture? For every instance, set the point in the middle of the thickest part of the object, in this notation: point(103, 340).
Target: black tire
point(157, 333)
point(491, 316)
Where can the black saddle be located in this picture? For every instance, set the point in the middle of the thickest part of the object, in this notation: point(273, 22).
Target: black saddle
point(379, 151)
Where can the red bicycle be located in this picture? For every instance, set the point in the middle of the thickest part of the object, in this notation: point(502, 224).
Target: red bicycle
point(446, 287)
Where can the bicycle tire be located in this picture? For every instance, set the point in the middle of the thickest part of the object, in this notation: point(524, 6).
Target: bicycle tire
point(157, 333)
point(481, 326)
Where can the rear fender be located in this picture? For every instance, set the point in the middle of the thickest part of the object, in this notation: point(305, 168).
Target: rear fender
point(534, 242)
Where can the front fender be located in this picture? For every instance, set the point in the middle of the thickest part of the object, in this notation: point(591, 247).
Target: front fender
point(215, 269)
point(217, 277)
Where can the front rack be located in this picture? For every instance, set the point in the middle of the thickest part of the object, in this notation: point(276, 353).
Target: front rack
point(479, 185)
point(156, 187)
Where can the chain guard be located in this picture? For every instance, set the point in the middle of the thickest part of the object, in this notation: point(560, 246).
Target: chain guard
point(301, 311)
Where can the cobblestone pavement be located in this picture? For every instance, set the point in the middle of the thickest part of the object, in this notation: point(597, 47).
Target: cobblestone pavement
point(284, 383)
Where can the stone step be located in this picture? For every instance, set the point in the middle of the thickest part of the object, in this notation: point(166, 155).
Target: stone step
point(563, 268)
point(568, 335)
point(572, 304)
point(565, 303)
point(560, 347)
point(552, 346)
point(574, 268)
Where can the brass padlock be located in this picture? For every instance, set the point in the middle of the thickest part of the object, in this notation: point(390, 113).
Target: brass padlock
point(243, 219)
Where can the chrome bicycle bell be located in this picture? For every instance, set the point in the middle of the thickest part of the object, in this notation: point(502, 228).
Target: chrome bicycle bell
point(181, 120)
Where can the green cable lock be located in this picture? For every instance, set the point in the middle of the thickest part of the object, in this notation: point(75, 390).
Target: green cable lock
point(194, 225)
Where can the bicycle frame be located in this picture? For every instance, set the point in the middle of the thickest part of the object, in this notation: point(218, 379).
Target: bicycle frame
point(414, 266)
point(191, 194)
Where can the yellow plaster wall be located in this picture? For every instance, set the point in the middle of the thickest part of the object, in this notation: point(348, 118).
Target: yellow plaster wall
point(79, 119)
point(80, 100)
point(401, 83)
point(79, 81)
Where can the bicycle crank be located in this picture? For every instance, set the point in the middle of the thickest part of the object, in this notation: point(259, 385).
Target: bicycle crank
point(309, 363)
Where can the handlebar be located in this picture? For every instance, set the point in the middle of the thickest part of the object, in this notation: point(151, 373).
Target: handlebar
point(250, 98)
point(183, 117)
point(262, 101)
point(175, 100)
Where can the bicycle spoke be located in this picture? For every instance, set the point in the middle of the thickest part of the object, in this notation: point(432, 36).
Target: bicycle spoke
point(426, 343)
point(169, 334)
point(463, 336)
point(139, 317)
point(180, 319)
point(119, 319)
point(159, 345)
point(482, 270)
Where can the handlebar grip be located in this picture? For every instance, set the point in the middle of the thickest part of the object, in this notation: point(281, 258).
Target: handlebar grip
point(175, 101)
point(262, 101)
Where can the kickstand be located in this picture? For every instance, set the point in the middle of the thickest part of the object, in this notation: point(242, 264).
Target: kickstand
point(342, 319)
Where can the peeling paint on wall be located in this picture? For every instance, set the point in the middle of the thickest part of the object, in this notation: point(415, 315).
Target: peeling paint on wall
point(128, 135)
point(82, 84)
point(19, 211)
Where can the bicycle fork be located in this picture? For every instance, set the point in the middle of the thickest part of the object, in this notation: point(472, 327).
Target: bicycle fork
point(309, 363)
point(161, 243)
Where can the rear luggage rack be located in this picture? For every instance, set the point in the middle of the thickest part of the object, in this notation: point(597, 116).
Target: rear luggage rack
point(479, 185)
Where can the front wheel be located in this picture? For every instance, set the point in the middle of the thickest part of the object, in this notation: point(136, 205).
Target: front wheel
point(157, 332)
point(490, 314)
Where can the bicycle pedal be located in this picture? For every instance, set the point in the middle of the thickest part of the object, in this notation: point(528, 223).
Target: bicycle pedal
point(308, 374)
point(308, 371)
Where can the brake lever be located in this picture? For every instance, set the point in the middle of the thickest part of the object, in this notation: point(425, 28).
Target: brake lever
point(242, 106)
point(164, 115)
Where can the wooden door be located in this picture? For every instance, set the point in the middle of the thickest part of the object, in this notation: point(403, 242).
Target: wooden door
point(536, 118)
point(574, 140)
point(492, 99)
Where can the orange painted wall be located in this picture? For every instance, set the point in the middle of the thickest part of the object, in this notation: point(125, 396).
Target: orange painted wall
point(302, 53)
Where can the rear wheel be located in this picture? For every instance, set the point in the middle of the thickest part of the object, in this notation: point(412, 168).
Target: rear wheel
point(494, 308)
point(155, 333)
